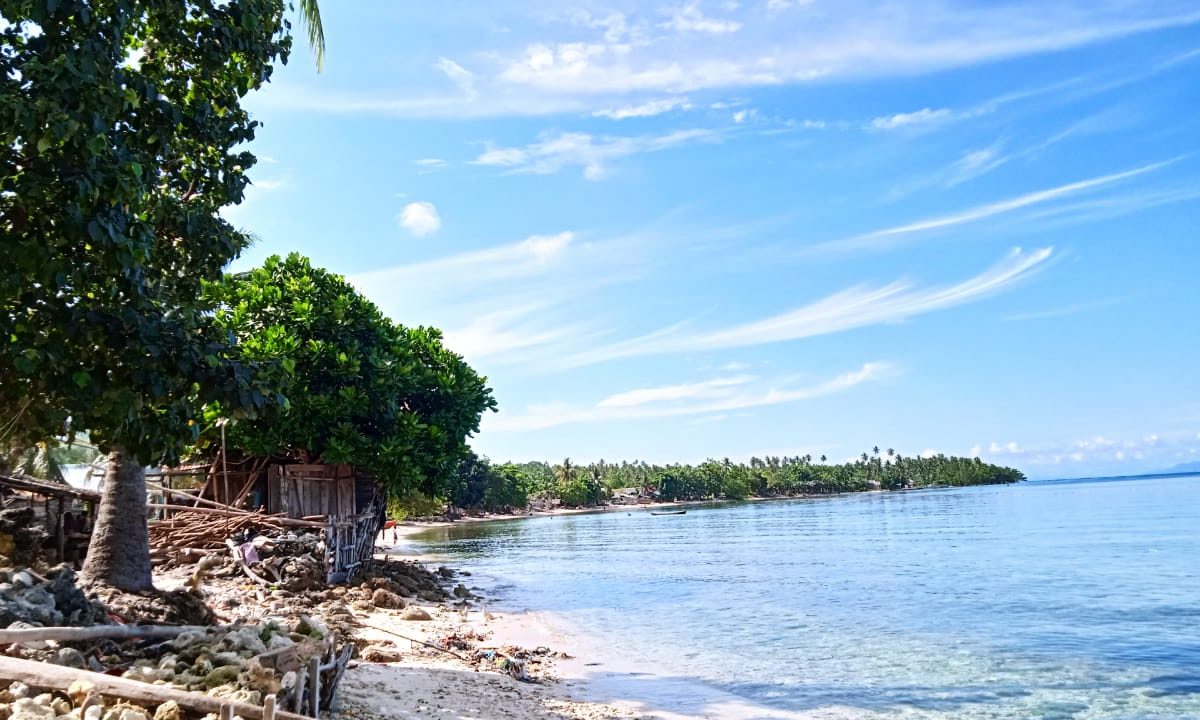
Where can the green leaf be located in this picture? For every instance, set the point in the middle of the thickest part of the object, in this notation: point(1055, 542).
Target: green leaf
point(82, 379)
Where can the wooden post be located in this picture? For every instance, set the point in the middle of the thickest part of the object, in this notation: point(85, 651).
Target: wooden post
point(60, 530)
point(301, 685)
point(269, 707)
point(314, 686)
point(224, 465)
point(226, 712)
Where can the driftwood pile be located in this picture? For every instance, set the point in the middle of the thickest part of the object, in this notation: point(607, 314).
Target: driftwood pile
point(193, 532)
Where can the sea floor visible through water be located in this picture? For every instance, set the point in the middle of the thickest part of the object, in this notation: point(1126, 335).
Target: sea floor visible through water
point(1064, 599)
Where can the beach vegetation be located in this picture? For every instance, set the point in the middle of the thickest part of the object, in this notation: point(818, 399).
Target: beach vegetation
point(364, 390)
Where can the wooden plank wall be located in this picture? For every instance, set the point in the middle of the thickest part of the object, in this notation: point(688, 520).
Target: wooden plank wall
point(311, 490)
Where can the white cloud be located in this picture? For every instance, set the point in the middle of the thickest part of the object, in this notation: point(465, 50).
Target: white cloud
point(552, 153)
point(1009, 448)
point(924, 116)
point(504, 331)
point(974, 164)
point(420, 218)
point(534, 254)
point(539, 417)
point(852, 308)
point(742, 116)
point(1097, 454)
point(689, 18)
point(271, 184)
point(891, 236)
point(716, 387)
point(576, 62)
point(462, 78)
point(646, 109)
point(428, 165)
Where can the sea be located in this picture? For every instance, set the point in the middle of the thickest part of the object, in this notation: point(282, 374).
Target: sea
point(1063, 599)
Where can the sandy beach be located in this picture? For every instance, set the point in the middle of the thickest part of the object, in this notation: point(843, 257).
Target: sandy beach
point(427, 683)
point(420, 682)
point(408, 679)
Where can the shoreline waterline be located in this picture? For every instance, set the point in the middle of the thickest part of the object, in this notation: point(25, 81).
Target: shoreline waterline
point(1033, 600)
point(595, 678)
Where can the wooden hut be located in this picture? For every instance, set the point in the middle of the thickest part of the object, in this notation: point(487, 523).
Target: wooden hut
point(344, 499)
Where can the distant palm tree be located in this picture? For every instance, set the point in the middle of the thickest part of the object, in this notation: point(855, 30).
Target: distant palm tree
point(823, 458)
point(565, 473)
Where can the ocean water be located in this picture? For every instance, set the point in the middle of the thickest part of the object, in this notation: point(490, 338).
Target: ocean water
point(1055, 599)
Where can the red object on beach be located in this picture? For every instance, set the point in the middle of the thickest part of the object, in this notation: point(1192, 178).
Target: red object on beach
point(389, 524)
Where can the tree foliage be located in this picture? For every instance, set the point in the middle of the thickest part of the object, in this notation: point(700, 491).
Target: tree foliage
point(122, 124)
point(478, 485)
point(591, 484)
point(365, 390)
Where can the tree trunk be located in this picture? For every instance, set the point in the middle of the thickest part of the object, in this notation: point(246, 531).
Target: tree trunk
point(119, 555)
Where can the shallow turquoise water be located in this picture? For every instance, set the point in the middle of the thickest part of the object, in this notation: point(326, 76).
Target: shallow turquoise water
point(1063, 599)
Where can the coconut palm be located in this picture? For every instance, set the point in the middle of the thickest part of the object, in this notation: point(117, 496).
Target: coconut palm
point(310, 15)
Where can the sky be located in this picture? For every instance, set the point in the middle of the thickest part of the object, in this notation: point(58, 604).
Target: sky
point(681, 230)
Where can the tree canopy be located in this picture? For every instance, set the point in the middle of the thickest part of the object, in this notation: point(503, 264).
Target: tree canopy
point(366, 391)
point(122, 135)
point(122, 124)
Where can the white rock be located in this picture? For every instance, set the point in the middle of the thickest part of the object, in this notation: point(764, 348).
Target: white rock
point(30, 709)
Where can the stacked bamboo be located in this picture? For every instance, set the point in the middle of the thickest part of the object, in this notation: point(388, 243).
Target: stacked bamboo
point(193, 530)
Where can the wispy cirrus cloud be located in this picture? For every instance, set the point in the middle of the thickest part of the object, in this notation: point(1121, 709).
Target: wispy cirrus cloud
point(554, 152)
point(924, 116)
point(1067, 310)
point(649, 108)
point(852, 308)
point(856, 40)
point(578, 62)
point(891, 236)
point(681, 400)
point(684, 391)
point(534, 254)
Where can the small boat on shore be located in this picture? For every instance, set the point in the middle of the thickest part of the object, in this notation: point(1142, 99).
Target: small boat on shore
point(668, 512)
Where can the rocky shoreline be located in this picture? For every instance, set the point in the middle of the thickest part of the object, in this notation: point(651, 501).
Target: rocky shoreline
point(412, 640)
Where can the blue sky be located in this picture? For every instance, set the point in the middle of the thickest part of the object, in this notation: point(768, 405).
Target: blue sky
point(673, 231)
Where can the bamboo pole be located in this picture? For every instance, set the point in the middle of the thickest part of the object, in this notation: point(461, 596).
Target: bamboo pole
point(57, 677)
point(277, 519)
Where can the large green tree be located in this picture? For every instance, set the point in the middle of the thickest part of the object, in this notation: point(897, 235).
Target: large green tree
point(366, 391)
point(123, 138)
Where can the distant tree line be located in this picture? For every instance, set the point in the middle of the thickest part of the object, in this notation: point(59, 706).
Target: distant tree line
point(479, 485)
